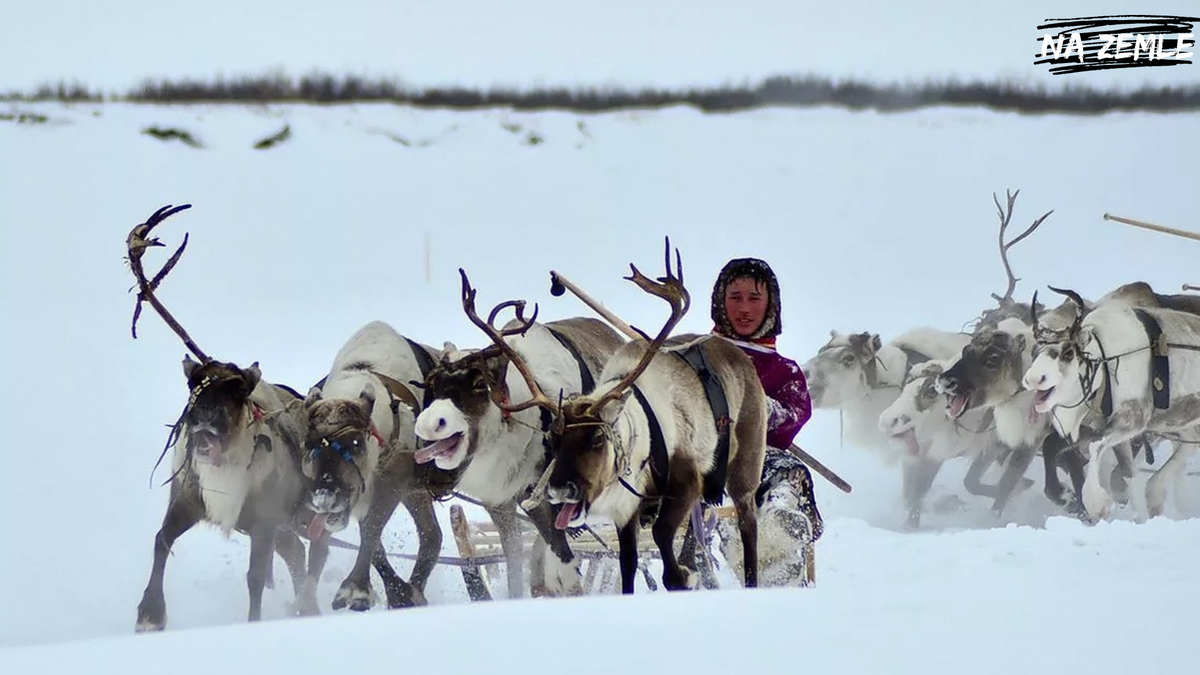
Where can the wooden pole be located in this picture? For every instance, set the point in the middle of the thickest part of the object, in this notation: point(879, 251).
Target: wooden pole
point(428, 272)
point(1189, 287)
point(558, 281)
point(1150, 226)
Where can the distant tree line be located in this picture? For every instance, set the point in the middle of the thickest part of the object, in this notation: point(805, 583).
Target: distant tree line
point(788, 91)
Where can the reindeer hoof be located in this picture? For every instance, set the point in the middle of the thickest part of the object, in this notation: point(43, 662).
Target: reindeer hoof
point(353, 596)
point(562, 578)
point(148, 626)
point(151, 616)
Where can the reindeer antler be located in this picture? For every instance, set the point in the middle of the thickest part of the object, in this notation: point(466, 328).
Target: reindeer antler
point(669, 288)
point(498, 335)
point(1005, 217)
point(136, 244)
point(1074, 329)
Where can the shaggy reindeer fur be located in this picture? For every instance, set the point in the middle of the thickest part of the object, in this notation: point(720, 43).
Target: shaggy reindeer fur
point(861, 376)
point(602, 464)
point(499, 455)
point(236, 465)
point(359, 457)
point(1069, 373)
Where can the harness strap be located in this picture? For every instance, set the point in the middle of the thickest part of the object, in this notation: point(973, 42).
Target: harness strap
point(659, 461)
point(1160, 368)
point(425, 364)
point(585, 375)
point(714, 480)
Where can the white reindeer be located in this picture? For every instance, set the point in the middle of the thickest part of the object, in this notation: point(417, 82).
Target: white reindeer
point(1110, 348)
point(860, 375)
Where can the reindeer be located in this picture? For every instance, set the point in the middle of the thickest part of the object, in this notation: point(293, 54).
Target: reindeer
point(617, 458)
point(235, 458)
point(499, 453)
point(916, 420)
point(860, 375)
point(360, 460)
point(1141, 364)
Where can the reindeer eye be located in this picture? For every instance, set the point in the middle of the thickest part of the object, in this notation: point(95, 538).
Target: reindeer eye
point(928, 391)
point(1068, 354)
point(848, 359)
point(992, 362)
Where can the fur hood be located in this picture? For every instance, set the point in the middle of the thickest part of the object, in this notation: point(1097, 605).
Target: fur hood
point(761, 272)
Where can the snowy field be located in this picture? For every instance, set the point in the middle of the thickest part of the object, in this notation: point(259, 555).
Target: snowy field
point(872, 222)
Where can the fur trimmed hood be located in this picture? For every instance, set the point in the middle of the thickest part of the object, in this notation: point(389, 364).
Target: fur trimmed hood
point(761, 272)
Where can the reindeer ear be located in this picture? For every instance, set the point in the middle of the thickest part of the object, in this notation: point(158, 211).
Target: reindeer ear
point(613, 408)
point(314, 395)
point(189, 367)
point(366, 398)
point(251, 377)
point(876, 342)
point(833, 333)
point(1019, 342)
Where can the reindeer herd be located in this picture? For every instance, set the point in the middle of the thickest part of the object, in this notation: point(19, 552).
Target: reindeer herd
point(562, 421)
point(1070, 383)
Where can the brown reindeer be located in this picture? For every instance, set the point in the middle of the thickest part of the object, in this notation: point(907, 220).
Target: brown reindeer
point(614, 457)
point(500, 455)
point(235, 462)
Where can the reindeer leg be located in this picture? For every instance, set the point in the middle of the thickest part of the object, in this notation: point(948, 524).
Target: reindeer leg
point(1126, 423)
point(1156, 487)
point(419, 504)
point(919, 474)
point(680, 497)
point(262, 554)
point(627, 554)
point(509, 529)
point(567, 579)
point(393, 584)
point(182, 514)
point(1122, 473)
point(1052, 448)
point(1014, 470)
point(291, 549)
point(747, 514)
point(973, 481)
point(355, 592)
point(318, 555)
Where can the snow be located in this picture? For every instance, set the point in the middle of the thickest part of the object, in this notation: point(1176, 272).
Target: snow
point(294, 248)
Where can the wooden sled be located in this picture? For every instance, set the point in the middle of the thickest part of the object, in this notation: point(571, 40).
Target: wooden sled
point(481, 557)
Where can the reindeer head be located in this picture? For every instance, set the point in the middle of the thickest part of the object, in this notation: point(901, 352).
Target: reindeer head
point(466, 392)
point(341, 449)
point(216, 416)
point(918, 401)
point(987, 372)
point(843, 370)
point(1059, 372)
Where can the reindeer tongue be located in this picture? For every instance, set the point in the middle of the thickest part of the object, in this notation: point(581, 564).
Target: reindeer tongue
point(436, 448)
point(565, 514)
point(316, 526)
point(910, 441)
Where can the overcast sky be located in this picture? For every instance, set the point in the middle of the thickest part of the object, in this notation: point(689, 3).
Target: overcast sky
point(115, 44)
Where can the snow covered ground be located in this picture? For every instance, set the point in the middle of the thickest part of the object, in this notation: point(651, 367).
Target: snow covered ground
point(295, 247)
point(872, 222)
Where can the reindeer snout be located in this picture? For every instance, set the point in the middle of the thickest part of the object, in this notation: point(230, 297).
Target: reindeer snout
point(1033, 380)
point(323, 499)
point(567, 493)
point(897, 422)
